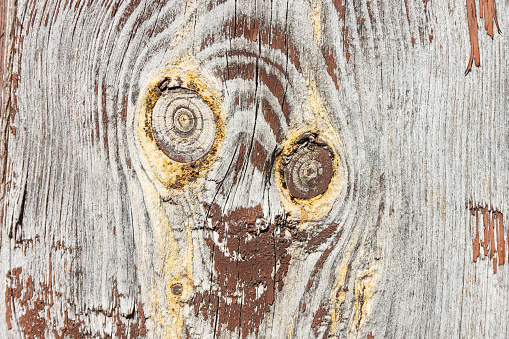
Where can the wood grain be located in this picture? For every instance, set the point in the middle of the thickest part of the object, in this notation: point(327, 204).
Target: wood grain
point(105, 236)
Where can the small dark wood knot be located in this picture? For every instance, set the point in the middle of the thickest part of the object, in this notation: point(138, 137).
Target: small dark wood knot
point(177, 289)
point(183, 124)
point(308, 170)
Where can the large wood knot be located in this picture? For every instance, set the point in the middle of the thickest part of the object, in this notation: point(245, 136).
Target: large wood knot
point(183, 125)
point(308, 170)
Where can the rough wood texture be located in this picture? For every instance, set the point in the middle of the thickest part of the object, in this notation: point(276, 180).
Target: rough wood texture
point(104, 235)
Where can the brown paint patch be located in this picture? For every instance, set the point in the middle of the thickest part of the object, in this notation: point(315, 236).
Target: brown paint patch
point(247, 271)
point(272, 118)
point(341, 11)
point(493, 243)
point(35, 307)
point(331, 66)
point(277, 37)
point(276, 87)
point(127, 13)
point(360, 20)
point(258, 156)
point(370, 336)
point(318, 318)
point(487, 10)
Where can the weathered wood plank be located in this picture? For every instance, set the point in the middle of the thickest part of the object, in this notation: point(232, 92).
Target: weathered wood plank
point(106, 235)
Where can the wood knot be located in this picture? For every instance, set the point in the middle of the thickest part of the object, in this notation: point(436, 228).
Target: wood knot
point(308, 170)
point(183, 124)
point(177, 289)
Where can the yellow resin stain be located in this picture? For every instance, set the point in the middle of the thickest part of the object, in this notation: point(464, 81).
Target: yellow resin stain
point(161, 175)
point(338, 295)
point(313, 209)
point(364, 287)
point(170, 263)
point(316, 15)
point(168, 172)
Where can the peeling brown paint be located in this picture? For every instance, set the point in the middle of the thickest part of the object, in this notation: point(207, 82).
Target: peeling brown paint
point(35, 310)
point(318, 318)
point(248, 273)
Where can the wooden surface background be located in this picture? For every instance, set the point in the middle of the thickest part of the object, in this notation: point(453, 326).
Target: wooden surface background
point(98, 228)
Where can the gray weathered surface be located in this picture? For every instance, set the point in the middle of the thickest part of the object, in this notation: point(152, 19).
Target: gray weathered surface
point(92, 240)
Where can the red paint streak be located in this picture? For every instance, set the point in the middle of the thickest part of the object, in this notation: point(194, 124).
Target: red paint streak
point(476, 240)
point(247, 71)
point(346, 45)
point(492, 237)
point(369, 12)
point(472, 28)
point(14, 97)
point(494, 241)
point(34, 306)
point(488, 7)
point(406, 7)
point(138, 329)
point(501, 240)
point(124, 108)
point(485, 243)
point(360, 19)
point(3, 48)
point(370, 336)
point(487, 11)
point(127, 13)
